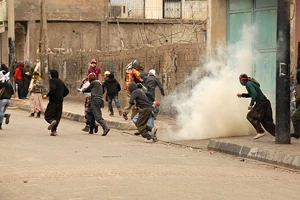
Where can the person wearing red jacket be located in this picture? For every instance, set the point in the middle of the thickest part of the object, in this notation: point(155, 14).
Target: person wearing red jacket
point(96, 70)
point(18, 78)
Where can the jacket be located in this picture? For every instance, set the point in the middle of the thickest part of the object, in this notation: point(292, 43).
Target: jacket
point(112, 86)
point(8, 91)
point(58, 89)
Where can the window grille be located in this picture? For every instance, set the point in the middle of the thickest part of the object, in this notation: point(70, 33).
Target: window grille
point(158, 9)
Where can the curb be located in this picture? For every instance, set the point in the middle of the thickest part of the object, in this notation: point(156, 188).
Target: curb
point(267, 156)
point(78, 118)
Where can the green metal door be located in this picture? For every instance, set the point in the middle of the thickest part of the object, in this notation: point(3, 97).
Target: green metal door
point(262, 14)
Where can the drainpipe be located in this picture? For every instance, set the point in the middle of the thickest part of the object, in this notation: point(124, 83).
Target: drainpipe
point(283, 73)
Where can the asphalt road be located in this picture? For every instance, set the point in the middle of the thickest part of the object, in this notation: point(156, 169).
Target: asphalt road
point(75, 165)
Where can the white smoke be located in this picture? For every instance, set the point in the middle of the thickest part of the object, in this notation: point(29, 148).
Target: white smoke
point(206, 102)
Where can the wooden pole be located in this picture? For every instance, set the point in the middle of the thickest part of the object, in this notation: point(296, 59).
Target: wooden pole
point(43, 44)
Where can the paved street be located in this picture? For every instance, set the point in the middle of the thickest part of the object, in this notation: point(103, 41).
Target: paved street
point(75, 165)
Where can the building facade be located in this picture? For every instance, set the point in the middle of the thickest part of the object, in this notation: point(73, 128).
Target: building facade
point(226, 20)
point(103, 25)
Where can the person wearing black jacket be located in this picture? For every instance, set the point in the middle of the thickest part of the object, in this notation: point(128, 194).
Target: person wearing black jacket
point(113, 87)
point(6, 91)
point(144, 106)
point(94, 111)
point(151, 82)
point(56, 94)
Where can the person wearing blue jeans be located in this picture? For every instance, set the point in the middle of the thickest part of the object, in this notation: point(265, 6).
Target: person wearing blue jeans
point(113, 87)
point(6, 91)
point(116, 100)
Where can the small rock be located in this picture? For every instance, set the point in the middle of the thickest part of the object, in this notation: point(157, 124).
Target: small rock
point(25, 181)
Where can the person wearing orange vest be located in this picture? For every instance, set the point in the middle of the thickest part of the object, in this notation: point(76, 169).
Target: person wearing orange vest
point(132, 75)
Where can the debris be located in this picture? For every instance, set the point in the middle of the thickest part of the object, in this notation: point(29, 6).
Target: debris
point(242, 160)
point(25, 181)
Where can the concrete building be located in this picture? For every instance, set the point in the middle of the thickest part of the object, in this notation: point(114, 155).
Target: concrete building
point(102, 25)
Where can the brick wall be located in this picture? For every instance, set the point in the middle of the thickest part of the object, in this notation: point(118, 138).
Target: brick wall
point(173, 63)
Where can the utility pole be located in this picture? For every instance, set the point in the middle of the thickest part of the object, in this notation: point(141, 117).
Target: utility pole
point(283, 73)
point(43, 47)
point(11, 32)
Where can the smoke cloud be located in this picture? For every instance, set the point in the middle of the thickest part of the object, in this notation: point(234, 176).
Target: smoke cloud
point(206, 102)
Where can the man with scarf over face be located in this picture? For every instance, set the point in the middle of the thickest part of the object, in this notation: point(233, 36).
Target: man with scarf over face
point(261, 112)
point(56, 94)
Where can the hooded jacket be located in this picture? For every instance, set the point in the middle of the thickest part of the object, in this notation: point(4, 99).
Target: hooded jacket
point(112, 86)
point(18, 72)
point(254, 92)
point(139, 97)
point(58, 89)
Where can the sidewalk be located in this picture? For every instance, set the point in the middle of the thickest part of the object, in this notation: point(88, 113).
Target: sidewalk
point(263, 149)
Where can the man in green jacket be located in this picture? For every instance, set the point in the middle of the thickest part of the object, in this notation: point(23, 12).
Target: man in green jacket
point(260, 107)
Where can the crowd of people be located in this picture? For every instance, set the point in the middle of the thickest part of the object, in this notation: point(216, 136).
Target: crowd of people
point(140, 92)
point(140, 98)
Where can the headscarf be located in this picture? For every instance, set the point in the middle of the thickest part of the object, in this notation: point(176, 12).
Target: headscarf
point(36, 76)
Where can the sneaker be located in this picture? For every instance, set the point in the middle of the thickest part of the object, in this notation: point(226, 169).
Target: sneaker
point(294, 135)
point(154, 130)
point(31, 115)
point(91, 132)
point(105, 131)
point(111, 114)
point(53, 133)
point(96, 128)
point(259, 135)
point(148, 141)
point(7, 118)
point(154, 139)
point(86, 128)
point(137, 133)
point(51, 124)
point(38, 115)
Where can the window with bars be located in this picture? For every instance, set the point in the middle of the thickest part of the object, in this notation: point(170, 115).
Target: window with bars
point(157, 9)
